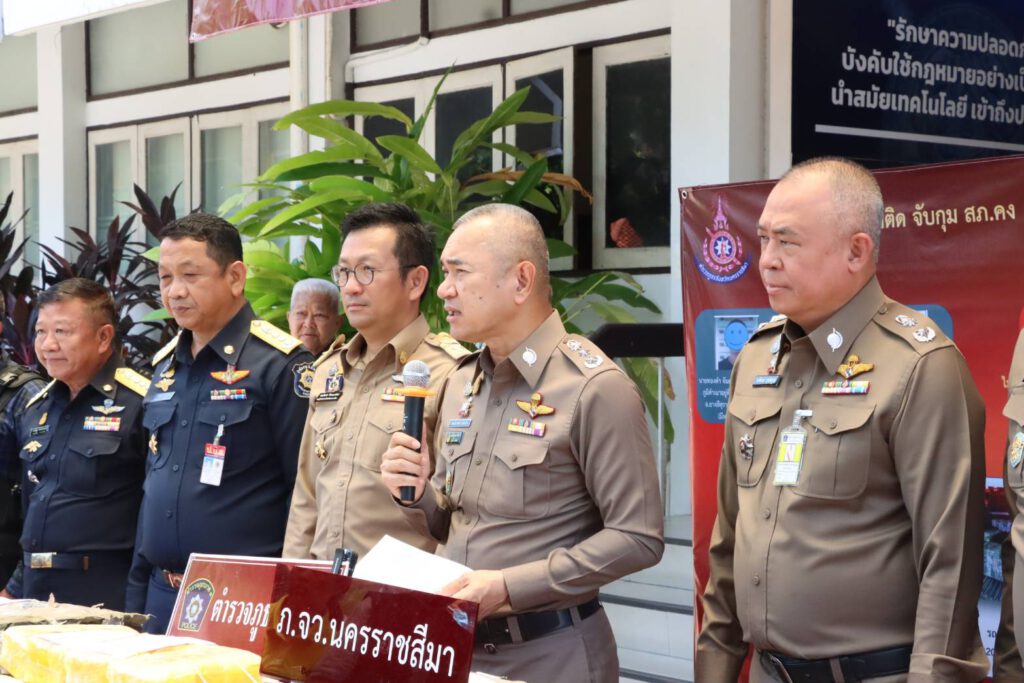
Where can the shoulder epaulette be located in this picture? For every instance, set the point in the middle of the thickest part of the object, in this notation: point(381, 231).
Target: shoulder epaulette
point(133, 380)
point(42, 392)
point(584, 354)
point(335, 345)
point(276, 337)
point(165, 351)
point(448, 344)
point(919, 331)
point(775, 323)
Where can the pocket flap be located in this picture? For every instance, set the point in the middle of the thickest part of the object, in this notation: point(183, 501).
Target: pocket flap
point(156, 415)
point(1014, 408)
point(99, 445)
point(386, 423)
point(225, 412)
point(833, 418)
point(452, 452)
point(520, 452)
point(324, 418)
point(751, 410)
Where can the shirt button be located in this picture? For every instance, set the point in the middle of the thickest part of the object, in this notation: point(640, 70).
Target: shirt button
point(53, 456)
point(223, 417)
point(388, 426)
point(334, 534)
point(168, 514)
point(184, 423)
point(479, 461)
point(366, 389)
point(756, 580)
point(65, 417)
point(515, 458)
point(833, 424)
point(799, 383)
point(176, 468)
point(35, 543)
point(88, 451)
point(497, 401)
point(766, 513)
point(349, 436)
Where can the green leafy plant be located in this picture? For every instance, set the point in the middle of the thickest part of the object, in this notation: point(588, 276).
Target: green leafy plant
point(18, 291)
point(312, 193)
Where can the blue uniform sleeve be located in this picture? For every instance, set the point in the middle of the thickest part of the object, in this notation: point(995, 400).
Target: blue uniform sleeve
point(138, 576)
point(14, 583)
point(288, 407)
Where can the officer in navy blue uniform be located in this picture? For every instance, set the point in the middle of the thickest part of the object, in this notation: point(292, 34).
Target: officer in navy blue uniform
point(225, 414)
point(82, 448)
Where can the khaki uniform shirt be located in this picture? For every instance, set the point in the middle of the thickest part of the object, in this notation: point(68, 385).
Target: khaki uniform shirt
point(566, 500)
point(879, 542)
point(1008, 667)
point(339, 499)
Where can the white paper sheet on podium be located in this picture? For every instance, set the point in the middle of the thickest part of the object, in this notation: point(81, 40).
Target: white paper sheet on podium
point(399, 564)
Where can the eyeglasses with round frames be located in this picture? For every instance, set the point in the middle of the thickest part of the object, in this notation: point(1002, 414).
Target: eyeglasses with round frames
point(363, 273)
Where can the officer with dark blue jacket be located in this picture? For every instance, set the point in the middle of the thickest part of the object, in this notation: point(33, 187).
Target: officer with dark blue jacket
point(225, 414)
point(82, 449)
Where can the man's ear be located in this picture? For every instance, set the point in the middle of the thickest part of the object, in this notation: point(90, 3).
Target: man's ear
point(237, 272)
point(861, 251)
point(525, 280)
point(417, 279)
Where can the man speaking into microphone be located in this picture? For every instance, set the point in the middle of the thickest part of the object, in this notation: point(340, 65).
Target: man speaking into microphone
point(357, 400)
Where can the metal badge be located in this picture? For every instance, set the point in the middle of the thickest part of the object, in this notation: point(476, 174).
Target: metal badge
point(924, 334)
point(905, 321)
point(535, 406)
point(853, 367)
point(834, 339)
point(746, 447)
point(529, 356)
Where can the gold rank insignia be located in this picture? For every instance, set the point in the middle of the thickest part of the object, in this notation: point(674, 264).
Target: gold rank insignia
point(320, 451)
point(32, 446)
point(166, 379)
point(279, 339)
point(853, 367)
point(153, 445)
point(42, 418)
point(535, 406)
point(131, 379)
point(230, 376)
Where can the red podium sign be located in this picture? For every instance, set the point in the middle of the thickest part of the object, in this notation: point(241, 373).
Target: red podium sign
point(325, 627)
point(226, 599)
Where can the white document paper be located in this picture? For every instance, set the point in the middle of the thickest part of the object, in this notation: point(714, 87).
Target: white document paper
point(475, 677)
point(399, 564)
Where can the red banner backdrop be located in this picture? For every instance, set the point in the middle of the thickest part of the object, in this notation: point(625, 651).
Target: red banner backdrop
point(952, 248)
point(212, 17)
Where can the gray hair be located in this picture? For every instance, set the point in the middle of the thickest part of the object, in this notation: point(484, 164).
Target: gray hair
point(523, 238)
point(315, 285)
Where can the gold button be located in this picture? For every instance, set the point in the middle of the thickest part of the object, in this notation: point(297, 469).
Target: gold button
point(403, 357)
point(108, 387)
point(229, 349)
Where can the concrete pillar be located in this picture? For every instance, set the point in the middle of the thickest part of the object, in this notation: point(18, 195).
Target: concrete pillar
point(63, 187)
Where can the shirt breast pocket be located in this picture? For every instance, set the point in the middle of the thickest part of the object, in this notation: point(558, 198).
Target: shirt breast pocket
point(1014, 412)
point(382, 425)
point(34, 455)
point(157, 419)
point(81, 461)
point(237, 443)
point(838, 452)
point(755, 424)
point(458, 458)
point(519, 481)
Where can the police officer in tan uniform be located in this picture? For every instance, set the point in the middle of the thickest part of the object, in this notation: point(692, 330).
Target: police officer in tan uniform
point(545, 482)
point(849, 532)
point(1008, 666)
point(339, 500)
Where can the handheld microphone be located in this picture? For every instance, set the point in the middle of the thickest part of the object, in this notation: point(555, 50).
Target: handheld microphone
point(416, 378)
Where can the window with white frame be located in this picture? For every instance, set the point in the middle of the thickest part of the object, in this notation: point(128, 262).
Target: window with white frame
point(19, 177)
point(627, 165)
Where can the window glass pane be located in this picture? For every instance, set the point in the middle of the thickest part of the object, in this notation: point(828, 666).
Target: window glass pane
point(18, 65)
point(5, 183)
point(30, 200)
point(524, 6)
point(544, 139)
point(637, 158)
point(452, 13)
point(248, 48)
point(221, 165)
point(455, 112)
point(376, 126)
point(139, 48)
point(165, 171)
point(113, 183)
point(389, 20)
point(275, 146)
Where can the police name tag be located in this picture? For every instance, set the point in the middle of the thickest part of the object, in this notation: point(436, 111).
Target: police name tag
point(213, 464)
point(767, 380)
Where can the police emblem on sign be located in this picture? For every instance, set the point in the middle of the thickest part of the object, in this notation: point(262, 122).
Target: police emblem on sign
point(197, 601)
point(722, 255)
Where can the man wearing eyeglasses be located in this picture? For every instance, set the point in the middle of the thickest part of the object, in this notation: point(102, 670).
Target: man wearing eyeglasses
point(339, 500)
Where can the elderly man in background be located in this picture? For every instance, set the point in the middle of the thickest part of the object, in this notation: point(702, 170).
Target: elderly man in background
point(313, 317)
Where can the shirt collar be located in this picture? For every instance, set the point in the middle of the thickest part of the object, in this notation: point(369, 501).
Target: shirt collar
point(531, 357)
point(403, 344)
point(103, 381)
point(227, 343)
point(834, 337)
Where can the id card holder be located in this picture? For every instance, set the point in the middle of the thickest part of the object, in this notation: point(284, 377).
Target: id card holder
point(790, 456)
point(213, 460)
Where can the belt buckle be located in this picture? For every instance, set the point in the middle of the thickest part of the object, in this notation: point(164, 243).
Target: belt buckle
point(774, 664)
point(173, 580)
point(41, 561)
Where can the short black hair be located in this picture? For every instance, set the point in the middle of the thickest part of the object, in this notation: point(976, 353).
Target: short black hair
point(414, 240)
point(223, 243)
point(92, 293)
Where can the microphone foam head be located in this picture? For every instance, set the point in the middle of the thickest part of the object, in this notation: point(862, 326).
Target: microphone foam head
point(416, 373)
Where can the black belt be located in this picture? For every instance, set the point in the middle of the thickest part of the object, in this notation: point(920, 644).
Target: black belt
point(855, 668)
point(83, 561)
point(530, 626)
